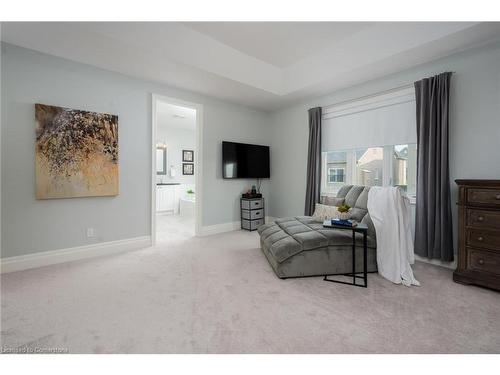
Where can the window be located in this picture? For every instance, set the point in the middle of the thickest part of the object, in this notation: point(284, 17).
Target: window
point(372, 139)
point(334, 171)
point(394, 165)
point(336, 175)
point(369, 166)
point(404, 168)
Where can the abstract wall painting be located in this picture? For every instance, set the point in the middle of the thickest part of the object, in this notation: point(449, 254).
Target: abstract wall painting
point(76, 153)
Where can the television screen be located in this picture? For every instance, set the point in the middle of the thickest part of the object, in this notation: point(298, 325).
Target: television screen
point(240, 160)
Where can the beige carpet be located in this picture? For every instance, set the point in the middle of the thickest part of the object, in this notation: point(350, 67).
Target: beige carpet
point(172, 228)
point(219, 295)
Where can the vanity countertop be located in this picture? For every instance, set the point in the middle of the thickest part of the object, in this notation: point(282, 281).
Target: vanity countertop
point(167, 183)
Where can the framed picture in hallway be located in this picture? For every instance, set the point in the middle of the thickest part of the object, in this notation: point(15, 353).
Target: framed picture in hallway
point(76, 153)
point(187, 168)
point(188, 156)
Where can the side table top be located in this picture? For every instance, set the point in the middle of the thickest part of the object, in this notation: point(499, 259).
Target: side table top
point(360, 227)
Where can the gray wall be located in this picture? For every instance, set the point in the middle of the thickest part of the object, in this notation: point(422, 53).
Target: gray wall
point(30, 225)
point(474, 136)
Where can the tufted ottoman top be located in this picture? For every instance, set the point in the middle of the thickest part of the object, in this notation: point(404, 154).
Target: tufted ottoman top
point(287, 237)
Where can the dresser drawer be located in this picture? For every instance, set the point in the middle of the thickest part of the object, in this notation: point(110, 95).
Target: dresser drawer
point(483, 196)
point(483, 238)
point(481, 260)
point(483, 218)
point(252, 214)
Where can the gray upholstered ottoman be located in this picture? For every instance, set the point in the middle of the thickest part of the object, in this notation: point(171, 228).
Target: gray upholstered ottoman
point(299, 246)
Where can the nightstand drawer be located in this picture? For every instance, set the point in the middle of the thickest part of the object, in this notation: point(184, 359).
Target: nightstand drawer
point(252, 214)
point(252, 204)
point(483, 196)
point(481, 260)
point(483, 218)
point(251, 224)
point(483, 238)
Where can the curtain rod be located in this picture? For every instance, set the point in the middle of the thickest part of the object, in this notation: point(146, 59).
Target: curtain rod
point(402, 87)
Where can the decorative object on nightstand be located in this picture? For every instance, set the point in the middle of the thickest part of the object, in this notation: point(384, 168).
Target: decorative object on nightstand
point(252, 213)
point(251, 195)
point(188, 156)
point(478, 233)
point(187, 168)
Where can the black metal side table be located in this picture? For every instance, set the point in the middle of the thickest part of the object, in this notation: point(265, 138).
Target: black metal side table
point(359, 228)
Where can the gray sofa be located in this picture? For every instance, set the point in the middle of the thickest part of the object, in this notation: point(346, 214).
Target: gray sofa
point(300, 247)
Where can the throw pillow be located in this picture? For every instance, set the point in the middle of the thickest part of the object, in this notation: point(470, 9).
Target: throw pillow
point(323, 212)
point(333, 201)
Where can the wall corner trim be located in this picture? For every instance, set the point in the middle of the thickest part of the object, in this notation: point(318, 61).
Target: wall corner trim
point(47, 258)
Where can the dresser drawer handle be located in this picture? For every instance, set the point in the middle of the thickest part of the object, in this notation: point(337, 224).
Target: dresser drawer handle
point(480, 238)
point(257, 213)
point(480, 218)
point(480, 261)
point(497, 197)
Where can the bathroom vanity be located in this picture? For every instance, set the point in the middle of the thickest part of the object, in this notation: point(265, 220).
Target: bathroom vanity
point(167, 197)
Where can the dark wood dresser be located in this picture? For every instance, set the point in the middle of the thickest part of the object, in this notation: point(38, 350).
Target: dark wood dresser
point(478, 233)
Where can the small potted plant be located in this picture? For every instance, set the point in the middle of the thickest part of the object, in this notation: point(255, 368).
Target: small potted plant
point(190, 191)
point(344, 211)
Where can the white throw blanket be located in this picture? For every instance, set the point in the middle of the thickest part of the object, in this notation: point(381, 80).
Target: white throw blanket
point(390, 212)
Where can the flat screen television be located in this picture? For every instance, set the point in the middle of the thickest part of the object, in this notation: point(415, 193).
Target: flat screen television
point(240, 160)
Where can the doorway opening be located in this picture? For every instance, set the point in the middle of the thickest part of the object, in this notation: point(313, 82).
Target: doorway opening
point(176, 173)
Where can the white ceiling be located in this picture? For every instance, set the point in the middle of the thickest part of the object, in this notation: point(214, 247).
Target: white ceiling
point(264, 65)
point(174, 116)
point(278, 43)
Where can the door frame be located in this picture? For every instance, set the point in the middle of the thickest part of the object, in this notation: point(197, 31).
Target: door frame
point(198, 160)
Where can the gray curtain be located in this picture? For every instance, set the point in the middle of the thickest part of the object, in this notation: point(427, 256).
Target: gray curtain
point(433, 223)
point(313, 161)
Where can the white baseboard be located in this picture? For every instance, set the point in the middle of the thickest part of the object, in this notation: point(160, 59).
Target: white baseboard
point(437, 262)
point(209, 230)
point(46, 258)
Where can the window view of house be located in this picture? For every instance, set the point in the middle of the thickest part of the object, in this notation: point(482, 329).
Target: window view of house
point(369, 166)
point(404, 167)
point(336, 175)
point(334, 167)
point(394, 165)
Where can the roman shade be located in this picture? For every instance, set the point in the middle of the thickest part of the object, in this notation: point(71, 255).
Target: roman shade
point(380, 120)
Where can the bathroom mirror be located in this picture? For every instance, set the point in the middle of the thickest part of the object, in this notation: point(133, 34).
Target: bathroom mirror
point(161, 160)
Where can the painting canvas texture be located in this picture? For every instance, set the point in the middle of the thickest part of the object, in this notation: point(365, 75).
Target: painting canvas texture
point(76, 153)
